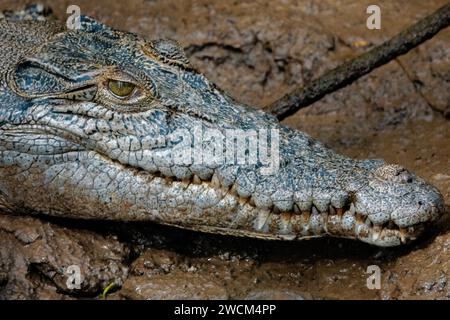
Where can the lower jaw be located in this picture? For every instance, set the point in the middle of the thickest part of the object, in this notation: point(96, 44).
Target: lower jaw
point(390, 238)
point(292, 227)
point(361, 228)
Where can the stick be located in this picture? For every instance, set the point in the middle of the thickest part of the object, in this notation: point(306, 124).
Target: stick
point(351, 70)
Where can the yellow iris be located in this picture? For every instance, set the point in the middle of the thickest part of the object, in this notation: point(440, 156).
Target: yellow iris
point(121, 88)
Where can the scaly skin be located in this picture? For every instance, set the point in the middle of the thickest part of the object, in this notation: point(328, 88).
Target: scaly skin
point(69, 147)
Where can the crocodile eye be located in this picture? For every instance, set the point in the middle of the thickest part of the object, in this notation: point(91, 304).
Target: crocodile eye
point(121, 89)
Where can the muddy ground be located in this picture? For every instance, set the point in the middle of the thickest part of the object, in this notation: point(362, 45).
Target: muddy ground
point(258, 51)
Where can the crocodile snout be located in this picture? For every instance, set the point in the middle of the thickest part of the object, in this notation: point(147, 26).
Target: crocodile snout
point(399, 202)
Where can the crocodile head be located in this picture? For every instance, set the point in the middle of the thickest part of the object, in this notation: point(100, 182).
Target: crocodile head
point(103, 124)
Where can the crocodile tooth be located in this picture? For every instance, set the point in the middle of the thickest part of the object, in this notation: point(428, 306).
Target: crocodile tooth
point(375, 236)
point(376, 232)
point(362, 230)
point(196, 180)
point(403, 233)
point(306, 215)
point(360, 218)
point(168, 180)
point(352, 209)
point(332, 210)
point(243, 201)
point(296, 209)
point(233, 190)
point(325, 220)
point(314, 210)
point(215, 182)
point(392, 225)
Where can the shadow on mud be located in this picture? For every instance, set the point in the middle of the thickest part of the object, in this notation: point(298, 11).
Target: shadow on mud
point(140, 236)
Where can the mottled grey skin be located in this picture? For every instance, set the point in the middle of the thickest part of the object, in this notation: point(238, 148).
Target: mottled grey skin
point(71, 148)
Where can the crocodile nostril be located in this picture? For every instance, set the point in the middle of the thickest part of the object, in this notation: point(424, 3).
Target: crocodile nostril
point(394, 173)
point(420, 203)
point(389, 171)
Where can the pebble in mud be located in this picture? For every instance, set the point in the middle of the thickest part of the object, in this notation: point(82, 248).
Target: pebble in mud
point(27, 235)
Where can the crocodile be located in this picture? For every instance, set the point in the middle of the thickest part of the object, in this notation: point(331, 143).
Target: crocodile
point(98, 123)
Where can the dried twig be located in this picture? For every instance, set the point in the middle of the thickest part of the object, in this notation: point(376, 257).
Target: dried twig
point(353, 69)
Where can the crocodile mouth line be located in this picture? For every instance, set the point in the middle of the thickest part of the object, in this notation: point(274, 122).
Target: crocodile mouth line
point(346, 222)
point(386, 235)
point(363, 228)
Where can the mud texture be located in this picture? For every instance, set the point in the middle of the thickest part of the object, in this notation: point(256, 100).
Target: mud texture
point(258, 51)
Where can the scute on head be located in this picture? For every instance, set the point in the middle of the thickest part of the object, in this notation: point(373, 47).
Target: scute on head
point(166, 51)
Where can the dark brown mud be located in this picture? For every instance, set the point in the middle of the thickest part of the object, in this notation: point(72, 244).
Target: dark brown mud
point(258, 51)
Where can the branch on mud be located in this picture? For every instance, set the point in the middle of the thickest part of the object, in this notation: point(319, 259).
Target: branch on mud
point(351, 70)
